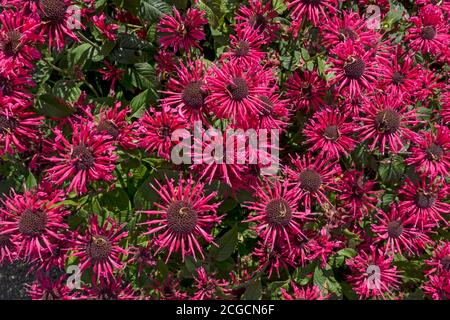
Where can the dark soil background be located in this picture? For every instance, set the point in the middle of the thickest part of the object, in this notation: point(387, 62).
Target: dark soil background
point(13, 279)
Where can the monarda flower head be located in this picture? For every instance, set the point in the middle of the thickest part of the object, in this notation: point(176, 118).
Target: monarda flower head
point(304, 293)
point(245, 48)
point(99, 248)
point(155, 130)
point(258, 15)
point(329, 133)
point(185, 216)
point(235, 90)
point(57, 22)
point(312, 10)
point(85, 158)
point(276, 212)
point(385, 122)
point(423, 200)
point(314, 177)
point(18, 128)
point(387, 280)
point(186, 92)
point(306, 90)
point(355, 69)
point(18, 38)
point(33, 224)
point(208, 287)
point(430, 152)
point(179, 32)
point(398, 233)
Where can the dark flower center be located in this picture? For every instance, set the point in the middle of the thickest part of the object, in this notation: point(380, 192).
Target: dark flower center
point(258, 21)
point(310, 180)
point(83, 156)
point(358, 187)
point(109, 127)
point(425, 200)
point(267, 105)
point(238, 89)
point(164, 132)
point(446, 263)
point(6, 86)
point(99, 248)
point(53, 10)
point(307, 90)
point(10, 45)
point(428, 33)
point(397, 77)
point(7, 124)
point(434, 152)
point(181, 217)
point(278, 212)
point(394, 229)
point(32, 222)
point(387, 121)
point(193, 95)
point(242, 48)
point(331, 133)
point(347, 33)
point(354, 70)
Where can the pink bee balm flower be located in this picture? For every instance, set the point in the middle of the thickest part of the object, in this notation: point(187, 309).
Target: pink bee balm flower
point(258, 15)
point(440, 260)
point(99, 248)
point(109, 30)
point(273, 258)
point(306, 90)
point(431, 152)
point(306, 293)
point(34, 224)
point(187, 92)
point(58, 22)
point(424, 201)
point(85, 158)
point(383, 283)
point(18, 38)
point(429, 34)
point(351, 27)
point(314, 178)
point(385, 122)
point(185, 216)
point(180, 32)
point(329, 133)
point(18, 128)
point(235, 90)
point(398, 233)
point(7, 249)
point(355, 69)
point(323, 246)
point(208, 287)
point(155, 131)
point(357, 194)
point(312, 10)
point(276, 211)
point(245, 47)
point(45, 288)
point(437, 287)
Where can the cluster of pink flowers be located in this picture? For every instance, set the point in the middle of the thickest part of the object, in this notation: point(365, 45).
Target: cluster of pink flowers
point(362, 115)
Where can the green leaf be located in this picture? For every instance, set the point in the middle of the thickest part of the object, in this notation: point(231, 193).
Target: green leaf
point(140, 102)
point(143, 76)
point(79, 55)
point(153, 10)
point(227, 244)
point(52, 106)
point(30, 182)
point(253, 290)
point(67, 90)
